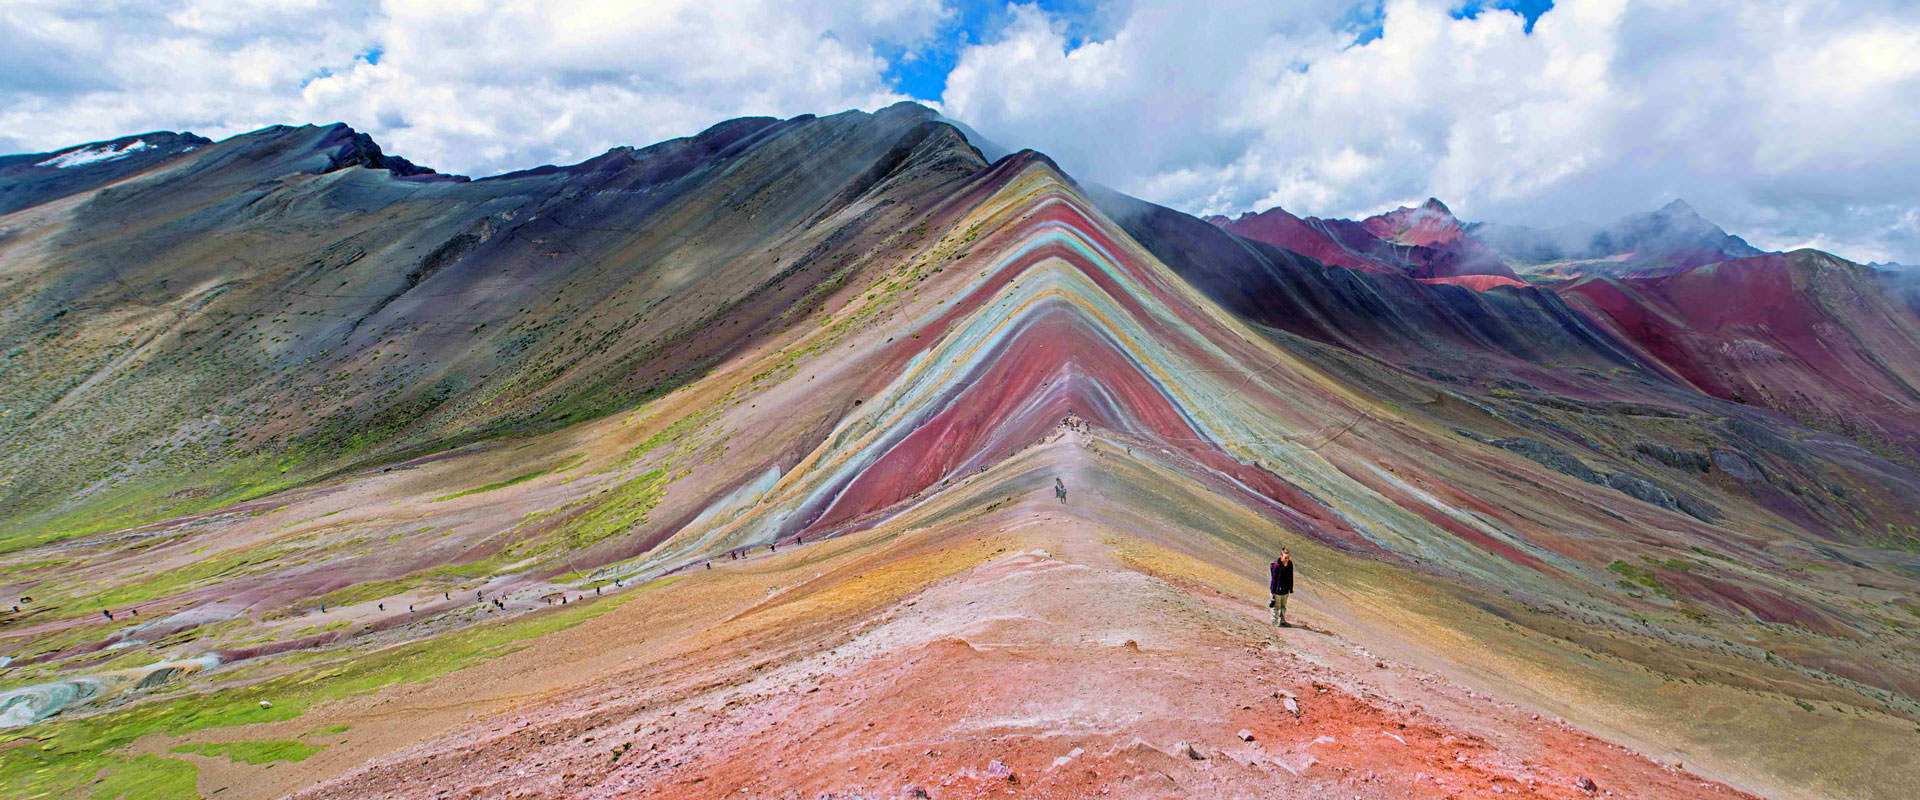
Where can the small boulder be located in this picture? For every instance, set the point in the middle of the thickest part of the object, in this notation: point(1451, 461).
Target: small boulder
point(1292, 707)
point(1188, 750)
point(266, 704)
point(1245, 735)
point(1586, 784)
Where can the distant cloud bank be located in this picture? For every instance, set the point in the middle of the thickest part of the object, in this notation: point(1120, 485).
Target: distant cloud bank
point(1791, 123)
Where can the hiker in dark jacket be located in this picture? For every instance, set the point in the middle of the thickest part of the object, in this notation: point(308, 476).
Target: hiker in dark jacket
point(1280, 584)
point(1059, 490)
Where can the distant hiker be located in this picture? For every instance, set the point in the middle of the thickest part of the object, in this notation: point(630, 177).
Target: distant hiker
point(1280, 584)
point(382, 606)
point(409, 608)
point(106, 613)
point(136, 612)
point(446, 595)
point(709, 565)
point(1060, 490)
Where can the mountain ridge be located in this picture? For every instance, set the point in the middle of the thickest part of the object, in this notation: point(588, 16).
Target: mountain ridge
point(771, 448)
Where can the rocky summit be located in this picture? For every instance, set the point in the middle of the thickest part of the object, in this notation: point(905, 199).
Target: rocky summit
point(829, 457)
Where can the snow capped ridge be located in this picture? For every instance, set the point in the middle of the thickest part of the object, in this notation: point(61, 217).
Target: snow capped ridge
point(94, 154)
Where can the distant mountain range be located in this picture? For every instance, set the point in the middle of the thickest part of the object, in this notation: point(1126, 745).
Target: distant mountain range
point(1428, 242)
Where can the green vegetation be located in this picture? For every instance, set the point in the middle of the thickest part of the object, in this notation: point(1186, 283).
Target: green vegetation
point(1895, 539)
point(617, 510)
point(676, 431)
point(1709, 553)
point(197, 491)
point(70, 754)
point(1637, 575)
point(560, 467)
point(362, 592)
point(168, 583)
point(145, 778)
point(262, 752)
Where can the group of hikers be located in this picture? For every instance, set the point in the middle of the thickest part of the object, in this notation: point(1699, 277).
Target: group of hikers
point(743, 552)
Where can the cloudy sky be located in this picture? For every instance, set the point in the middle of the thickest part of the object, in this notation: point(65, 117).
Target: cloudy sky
point(1791, 122)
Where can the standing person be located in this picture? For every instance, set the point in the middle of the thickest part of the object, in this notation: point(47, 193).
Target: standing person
point(1059, 490)
point(1280, 584)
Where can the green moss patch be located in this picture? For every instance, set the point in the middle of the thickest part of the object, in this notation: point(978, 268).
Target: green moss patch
point(77, 757)
point(263, 752)
point(1637, 575)
point(517, 479)
point(145, 778)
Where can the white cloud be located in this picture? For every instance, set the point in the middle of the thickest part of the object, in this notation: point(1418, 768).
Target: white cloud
point(1788, 122)
point(477, 86)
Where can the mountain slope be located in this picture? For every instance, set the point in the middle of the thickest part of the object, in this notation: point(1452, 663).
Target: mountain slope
point(30, 179)
point(1802, 332)
point(1428, 242)
point(273, 296)
point(823, 554)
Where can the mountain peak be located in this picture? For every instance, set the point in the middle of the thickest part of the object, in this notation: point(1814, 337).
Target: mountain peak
point(907, 108)
point(1679, 209)
point(351, 148)
point(1424, 224)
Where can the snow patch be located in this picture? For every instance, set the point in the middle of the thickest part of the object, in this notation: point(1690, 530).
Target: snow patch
point(94, 155)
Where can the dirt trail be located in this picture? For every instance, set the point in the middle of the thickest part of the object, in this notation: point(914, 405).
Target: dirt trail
point(1014, 654)
point(1030, 649)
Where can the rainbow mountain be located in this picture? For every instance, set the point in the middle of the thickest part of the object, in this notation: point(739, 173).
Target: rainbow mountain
point(829, 457)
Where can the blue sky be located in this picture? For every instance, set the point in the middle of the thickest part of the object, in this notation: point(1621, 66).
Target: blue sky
point(1790, 122)
point(921, 72)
